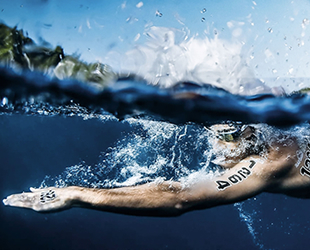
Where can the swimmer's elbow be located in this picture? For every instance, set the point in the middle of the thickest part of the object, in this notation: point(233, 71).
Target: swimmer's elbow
point(188, 201)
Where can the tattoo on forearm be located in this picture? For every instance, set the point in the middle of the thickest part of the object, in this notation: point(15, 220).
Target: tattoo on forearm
point(305, 169)
point(239, 176)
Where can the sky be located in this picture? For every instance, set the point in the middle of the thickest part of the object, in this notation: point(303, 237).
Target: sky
point(275, 33)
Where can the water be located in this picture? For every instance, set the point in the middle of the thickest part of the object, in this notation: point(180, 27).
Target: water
point(147, 122)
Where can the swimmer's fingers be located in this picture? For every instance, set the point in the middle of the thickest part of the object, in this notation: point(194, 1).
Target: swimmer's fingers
point(41, 200)
point(26, 200)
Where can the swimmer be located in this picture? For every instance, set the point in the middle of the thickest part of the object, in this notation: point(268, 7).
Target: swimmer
point(250, 166)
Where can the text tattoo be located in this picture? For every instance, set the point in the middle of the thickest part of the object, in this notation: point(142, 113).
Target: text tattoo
point(305, 169)
point(241, 175)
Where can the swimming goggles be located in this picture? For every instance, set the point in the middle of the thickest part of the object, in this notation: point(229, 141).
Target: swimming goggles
point(231, 134)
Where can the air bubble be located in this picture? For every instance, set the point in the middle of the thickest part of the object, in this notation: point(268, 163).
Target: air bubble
point(203, 19)
point(274, 71)
point(270, 30)
point(4, 101)
point(203, 10)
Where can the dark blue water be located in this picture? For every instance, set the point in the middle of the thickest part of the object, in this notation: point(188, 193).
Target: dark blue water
point(41, 135)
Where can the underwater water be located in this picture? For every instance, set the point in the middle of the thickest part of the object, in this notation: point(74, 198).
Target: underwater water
point(147, 120)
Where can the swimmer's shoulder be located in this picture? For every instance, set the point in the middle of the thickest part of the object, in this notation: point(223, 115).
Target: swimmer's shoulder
point(292, 170)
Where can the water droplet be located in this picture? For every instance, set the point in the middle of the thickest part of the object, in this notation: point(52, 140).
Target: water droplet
point(267, 21)
point(270, 30)
point(203, 19)
point(158, 13)
point(291, 70)
point(203, 10)
point(306, 21)
point(139, 5)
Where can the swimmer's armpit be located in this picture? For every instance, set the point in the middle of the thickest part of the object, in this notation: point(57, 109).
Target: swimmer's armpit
point(42, 200)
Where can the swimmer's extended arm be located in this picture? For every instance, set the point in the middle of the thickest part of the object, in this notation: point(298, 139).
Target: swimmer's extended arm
point(248, 178)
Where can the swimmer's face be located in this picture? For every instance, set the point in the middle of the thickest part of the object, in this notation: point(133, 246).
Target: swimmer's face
point(230, 144)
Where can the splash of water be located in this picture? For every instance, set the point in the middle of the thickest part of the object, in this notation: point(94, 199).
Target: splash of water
point(170, 56)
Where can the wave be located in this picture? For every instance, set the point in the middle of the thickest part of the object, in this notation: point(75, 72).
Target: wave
point(200, 104)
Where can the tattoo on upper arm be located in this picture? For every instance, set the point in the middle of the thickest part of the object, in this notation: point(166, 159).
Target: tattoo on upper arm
point(305, 169)
point(239, 176)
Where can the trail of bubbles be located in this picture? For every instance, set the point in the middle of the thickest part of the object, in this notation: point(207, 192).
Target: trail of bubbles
point(248, 217)
point(154, 150)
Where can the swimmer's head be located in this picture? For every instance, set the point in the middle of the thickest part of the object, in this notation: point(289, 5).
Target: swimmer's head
point(233, 133)
point(234, 142)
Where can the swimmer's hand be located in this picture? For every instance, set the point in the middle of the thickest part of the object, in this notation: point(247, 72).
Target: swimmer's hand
point(41, 200)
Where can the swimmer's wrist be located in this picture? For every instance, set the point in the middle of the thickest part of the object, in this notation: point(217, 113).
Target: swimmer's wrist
point(75, 196)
